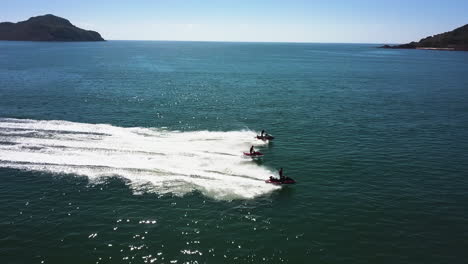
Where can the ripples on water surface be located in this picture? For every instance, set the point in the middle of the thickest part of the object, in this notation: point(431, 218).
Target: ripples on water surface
point(130, 152)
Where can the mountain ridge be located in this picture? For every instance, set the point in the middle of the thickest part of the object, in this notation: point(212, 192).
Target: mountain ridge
point(456, 39)
point(46, 28)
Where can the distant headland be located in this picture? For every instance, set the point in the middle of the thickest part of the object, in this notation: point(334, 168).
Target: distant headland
point(46, 28)
point(456, 39)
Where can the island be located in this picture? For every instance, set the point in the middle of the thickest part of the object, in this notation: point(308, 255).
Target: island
point(46, 28)
point(456, 39)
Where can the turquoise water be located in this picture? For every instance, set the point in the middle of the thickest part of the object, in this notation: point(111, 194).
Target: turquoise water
point(130, 152)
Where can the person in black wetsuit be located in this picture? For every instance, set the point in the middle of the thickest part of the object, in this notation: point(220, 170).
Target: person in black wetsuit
point(252, 151)
point(263, 131)
point(282, 178)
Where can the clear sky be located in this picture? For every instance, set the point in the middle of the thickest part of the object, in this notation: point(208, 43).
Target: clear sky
point(349, 21)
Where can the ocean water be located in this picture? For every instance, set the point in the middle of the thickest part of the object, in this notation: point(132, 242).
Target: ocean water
point(131, 152)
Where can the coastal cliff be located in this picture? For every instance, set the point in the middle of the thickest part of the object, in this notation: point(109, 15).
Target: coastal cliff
point(46, 28)
point(456, 39)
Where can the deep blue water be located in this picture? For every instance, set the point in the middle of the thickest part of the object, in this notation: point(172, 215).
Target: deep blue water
point(377, 140)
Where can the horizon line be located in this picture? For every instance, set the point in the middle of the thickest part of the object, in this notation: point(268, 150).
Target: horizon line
point(249, 41)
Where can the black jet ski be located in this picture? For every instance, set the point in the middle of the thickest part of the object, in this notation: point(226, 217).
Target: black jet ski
point(286, 180)
point(266, 137)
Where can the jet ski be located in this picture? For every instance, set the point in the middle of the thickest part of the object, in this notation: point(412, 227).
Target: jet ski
point(277, 181)
point(265, 137)
point(256, 154)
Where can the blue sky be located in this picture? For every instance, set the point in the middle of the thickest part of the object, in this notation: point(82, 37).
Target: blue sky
point(352, 21)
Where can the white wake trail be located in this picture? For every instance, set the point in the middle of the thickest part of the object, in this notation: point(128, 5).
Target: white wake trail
point(166, 161)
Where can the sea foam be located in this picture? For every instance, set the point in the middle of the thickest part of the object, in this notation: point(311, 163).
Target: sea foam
point(153, 160)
